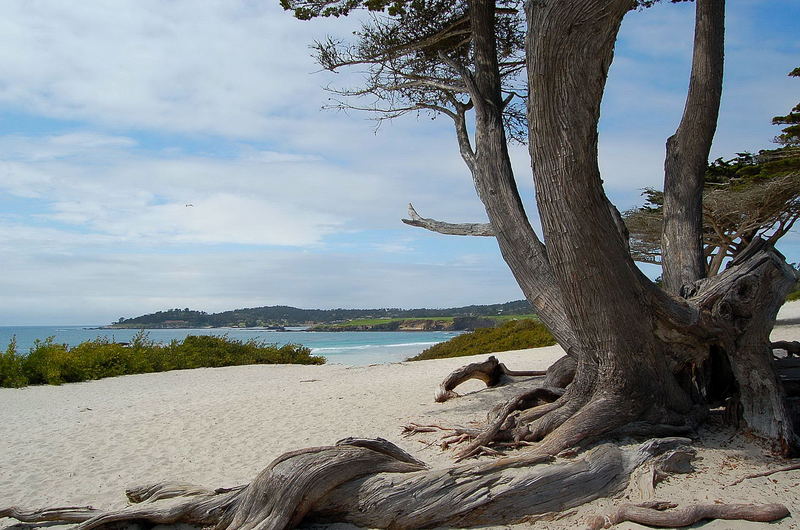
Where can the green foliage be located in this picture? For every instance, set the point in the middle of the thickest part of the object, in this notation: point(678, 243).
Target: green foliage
point(747, 169)
point(11, 374)
point(54, 364)
point(513, 335)
point(308, 9)
point(745, 197)
point(795, 293)
point(791, 134)
point(383, 324)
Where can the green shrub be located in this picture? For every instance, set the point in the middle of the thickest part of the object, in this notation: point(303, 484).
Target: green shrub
point(45, 363)
point(11, 374)
point(53, 364)
point(513, 335)
point(794, 295)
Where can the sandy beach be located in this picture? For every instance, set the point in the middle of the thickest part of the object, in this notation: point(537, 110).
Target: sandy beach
point(84, 443)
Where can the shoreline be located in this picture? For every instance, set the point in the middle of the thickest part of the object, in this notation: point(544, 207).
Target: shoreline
point(84, 443)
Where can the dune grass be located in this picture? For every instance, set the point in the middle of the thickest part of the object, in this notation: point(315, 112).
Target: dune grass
point(513, 335)
point(54, 364)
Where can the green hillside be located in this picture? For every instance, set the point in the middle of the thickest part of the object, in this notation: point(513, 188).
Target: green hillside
point(292, 316)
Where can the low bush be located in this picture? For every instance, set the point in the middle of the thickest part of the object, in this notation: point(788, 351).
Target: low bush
point(53, 364)
point(513, 335)
point(794, 295)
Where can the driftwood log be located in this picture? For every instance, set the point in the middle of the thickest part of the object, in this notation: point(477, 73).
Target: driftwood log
point(374, 483)
point(494, 373)
point(659, 514)
point(792, 347)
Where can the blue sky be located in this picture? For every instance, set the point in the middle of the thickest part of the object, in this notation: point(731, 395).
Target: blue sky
point(116, 115)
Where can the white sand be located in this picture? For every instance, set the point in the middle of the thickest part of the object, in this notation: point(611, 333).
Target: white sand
point(85, 443)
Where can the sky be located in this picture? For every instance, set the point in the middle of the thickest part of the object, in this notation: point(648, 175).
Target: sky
point(158, 154)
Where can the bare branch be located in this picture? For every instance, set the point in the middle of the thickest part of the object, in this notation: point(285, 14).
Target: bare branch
point(466, 76)
point(455, 229)
point(462, 135)
point(688, 515)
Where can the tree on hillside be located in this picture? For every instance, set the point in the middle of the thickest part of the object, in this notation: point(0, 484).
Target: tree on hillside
point(744, 199)
point(791, 134)
point(644, 360)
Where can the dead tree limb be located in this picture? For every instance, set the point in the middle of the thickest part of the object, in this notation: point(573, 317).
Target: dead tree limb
point(494, 373)
point(689, 515)
point(66, 514)
point(792, 347)
point(453, 229)
point(765, 473)
point(373, 483)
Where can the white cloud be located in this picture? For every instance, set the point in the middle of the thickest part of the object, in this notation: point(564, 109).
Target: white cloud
point(217, 104)
point(104, 185)
point(211, 67)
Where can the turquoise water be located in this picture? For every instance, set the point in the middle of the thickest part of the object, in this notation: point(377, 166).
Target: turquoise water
point(345, 347)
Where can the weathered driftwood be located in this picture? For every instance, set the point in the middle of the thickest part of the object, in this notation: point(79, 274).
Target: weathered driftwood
point(792, 347)
point(494, 373)
point(651, 514)
point(66, 514)
point(673, 461)
point(376, 484)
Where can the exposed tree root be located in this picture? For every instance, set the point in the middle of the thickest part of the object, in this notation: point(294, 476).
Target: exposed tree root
point(454, 439)
point(673, 461)
point(523, 401)
point(765, 473)
point(494, 373)
point(592, 420)
point(653, 514)
point(507, 423)
point(412, 428)
point(374, 483)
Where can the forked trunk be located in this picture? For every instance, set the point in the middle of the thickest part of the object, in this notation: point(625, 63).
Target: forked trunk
point(687, 153)
point(622, 373)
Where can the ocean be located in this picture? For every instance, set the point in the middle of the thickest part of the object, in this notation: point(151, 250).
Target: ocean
point(355, 348)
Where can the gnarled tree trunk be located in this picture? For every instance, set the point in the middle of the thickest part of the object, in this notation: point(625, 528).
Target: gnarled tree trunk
point(687, 153)
point(635, 346)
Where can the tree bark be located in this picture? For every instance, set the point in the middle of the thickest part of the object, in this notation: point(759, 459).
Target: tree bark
point(621, 371)
point(687, 153)
point(745, 300)
point(494, 181)
point(491, 371)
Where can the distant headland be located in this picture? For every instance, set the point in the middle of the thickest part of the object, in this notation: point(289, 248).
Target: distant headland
point(279, 318)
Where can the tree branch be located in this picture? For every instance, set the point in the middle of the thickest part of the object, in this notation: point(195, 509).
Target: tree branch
point(686, 516)
point(687, 153)
point(455, 229)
